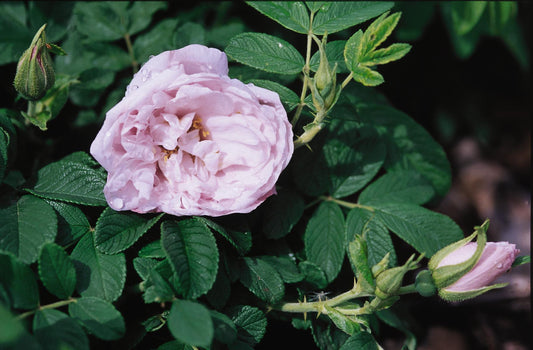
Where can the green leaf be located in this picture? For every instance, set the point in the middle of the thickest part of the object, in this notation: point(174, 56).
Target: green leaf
point(281, 212)
point(99, 317)
point(190, 323)
point(465, 15)
point(111, 21)
point(144, 266)
point(95, 78)
point(71, 222)
point(289, 99)
point(393, 320)
point(162, 284)
point(324, 239)
point(189, 33)
point(251, 326)
point(464, 45)
point(402, 186)
point(144, 45)
point(174, 345)
point(343, 322)
point(392, 53)
point(367, 76)
point(74, 179)
point(18, 282)
point(116, 231)
point(16, 37)
point(11, 329)
point(291, 14)
point(225, 329)
point(192, 252)
point(350, 157)
point(360, 341)
point(378, 240)
point(327, 336)
point(56, 18)
point(218, 295)
point(352, 161)
point(240, 239)
point(409, 145)
point(358, 255)
point(26, 226)
point(344, 14)
point(377, 32)
point(353, 49)
point(313, 274)
point(425, 230)
point(220, 36)
point(152, 250)
point(4, 144)
point(265, 52)
point(101, 21)
point(335, 55)
point(262, 279)
point(82, 56)
point(140, 14)
point(416, 17)
point(57, 271)
point(56, 330)
point(285, 266)
point(99, 275)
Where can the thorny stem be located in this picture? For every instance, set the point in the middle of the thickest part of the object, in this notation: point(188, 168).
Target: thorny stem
point(48, 306)
point(320, 306)
point(306, 73)
point(346, 204)
point(134, 62)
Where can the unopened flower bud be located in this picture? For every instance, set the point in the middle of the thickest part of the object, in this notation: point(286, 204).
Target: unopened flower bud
point(35, 73)
point(389, 281)
point(467, 270)
point(324, 82)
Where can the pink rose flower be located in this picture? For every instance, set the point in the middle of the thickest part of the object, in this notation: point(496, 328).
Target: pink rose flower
point(496, 259)
point(188, 140)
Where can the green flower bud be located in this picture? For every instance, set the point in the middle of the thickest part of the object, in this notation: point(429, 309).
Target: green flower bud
point(389, 281)
point(323, 85)
point(35, 73)
point(424, 284)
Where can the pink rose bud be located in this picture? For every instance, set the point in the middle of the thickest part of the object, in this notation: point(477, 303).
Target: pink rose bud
point(465, 269)
point(188, 140)
point(496, 259)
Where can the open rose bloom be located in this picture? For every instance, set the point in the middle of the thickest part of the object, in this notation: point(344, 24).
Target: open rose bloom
point(188, 140)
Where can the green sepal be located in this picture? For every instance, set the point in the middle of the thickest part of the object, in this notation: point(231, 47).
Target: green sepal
point(460, 296)
point(521, 260)
point(55, 49)
point(381, 266)
point(447, 275)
